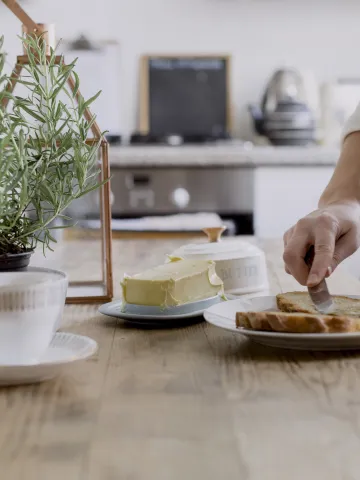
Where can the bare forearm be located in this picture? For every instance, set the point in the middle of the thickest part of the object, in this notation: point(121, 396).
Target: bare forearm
point(334, 228)
point(344, 186)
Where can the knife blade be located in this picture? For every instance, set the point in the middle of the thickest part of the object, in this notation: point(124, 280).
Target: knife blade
point(319, 294)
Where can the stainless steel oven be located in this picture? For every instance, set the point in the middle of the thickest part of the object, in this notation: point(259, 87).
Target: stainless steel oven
point(227, 191)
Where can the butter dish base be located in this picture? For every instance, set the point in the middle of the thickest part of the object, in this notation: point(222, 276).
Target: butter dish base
point(141, 314)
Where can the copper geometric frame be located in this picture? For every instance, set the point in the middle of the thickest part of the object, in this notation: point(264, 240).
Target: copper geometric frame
point(105, 209)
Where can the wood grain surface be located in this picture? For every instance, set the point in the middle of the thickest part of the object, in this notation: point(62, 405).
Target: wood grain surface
point(195, 403)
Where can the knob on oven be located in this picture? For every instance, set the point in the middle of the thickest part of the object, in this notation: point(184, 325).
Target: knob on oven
point(180, 197)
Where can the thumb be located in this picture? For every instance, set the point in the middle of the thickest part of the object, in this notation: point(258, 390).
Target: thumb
point(323, 259)
point(324, 247)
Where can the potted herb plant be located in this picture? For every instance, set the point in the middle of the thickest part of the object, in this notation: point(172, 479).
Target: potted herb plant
point(45, 162)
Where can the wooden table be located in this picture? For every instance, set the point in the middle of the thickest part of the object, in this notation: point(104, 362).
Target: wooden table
point(196, 403)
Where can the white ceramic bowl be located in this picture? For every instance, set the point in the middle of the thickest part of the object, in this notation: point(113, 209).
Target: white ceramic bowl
point(240, 265)
point(31, 307)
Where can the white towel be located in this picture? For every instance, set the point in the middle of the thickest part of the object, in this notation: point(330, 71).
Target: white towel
point(167, 223)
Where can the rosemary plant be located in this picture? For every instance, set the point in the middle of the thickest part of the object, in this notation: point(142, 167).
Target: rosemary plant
point(45, 162)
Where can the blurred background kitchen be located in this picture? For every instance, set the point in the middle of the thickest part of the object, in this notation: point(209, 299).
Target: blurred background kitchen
point(218, 111)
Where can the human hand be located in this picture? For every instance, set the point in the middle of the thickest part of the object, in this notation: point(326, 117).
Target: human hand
point(333, 230)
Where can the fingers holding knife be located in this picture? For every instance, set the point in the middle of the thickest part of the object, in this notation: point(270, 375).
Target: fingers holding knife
point(324, 248)
point(334, 234)
point(309, 258)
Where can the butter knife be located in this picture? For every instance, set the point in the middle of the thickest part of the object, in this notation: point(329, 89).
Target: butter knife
point(319, 294)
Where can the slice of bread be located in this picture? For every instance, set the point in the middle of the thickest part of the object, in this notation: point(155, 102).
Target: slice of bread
point(300, 302)
point(298, 315)
point(296, 322)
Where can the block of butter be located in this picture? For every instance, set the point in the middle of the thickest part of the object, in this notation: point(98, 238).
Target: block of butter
point(175, 283)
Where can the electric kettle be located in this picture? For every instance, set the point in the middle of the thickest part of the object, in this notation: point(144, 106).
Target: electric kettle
point(285, 117)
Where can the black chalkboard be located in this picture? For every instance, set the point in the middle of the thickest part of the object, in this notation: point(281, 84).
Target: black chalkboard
point(187, 96)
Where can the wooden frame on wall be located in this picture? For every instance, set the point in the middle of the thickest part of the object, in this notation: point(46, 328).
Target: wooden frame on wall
point(144, 110)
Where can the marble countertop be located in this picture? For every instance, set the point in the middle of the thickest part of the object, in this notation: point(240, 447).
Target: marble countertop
point(230, 155)
point(186, 403)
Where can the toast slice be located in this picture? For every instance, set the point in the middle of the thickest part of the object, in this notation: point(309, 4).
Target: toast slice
point(300, 302)
point(297, 322)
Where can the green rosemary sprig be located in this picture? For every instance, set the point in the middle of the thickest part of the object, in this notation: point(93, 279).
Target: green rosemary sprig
point(45, 162)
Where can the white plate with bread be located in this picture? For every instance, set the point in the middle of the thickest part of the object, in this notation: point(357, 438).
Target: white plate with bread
point(291, 321)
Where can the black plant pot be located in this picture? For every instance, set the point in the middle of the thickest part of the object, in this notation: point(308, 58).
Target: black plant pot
point(14, 261)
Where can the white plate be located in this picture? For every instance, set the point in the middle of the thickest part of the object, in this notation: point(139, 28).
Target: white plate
point(64, 349)
point(223, 316)
point(139, 314)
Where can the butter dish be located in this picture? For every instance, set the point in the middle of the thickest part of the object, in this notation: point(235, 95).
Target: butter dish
point(171, 316)
point(168, 294)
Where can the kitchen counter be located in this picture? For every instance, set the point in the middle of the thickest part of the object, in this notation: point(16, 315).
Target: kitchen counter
point(192, 403)
point(229, 155)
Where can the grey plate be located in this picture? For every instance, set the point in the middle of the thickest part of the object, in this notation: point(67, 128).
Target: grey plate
point(223, 316)
point(143, 315)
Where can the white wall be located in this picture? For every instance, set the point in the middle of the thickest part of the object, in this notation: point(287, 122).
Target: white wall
point(260, 34)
